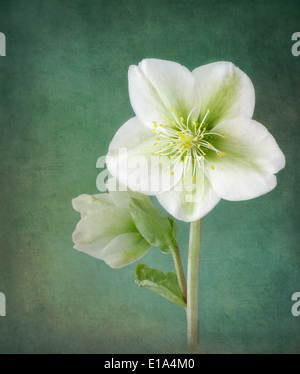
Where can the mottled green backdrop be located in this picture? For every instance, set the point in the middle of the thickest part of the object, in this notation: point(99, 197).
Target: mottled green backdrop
point(63, 95)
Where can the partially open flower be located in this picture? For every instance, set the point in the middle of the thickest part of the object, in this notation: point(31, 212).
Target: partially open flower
point(199, 124)
point(106, 229)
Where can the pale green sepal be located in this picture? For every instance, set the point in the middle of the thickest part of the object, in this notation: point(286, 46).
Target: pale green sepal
point(124, 250)
point(166, 249)
point(151, 223)
point(165, 285)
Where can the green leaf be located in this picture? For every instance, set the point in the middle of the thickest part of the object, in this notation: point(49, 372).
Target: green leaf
point(175, 227)
point(165, 285)
point(151, 223)
point(166, 249)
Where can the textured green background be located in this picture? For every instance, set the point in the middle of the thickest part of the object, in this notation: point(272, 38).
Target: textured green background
point(63, 95)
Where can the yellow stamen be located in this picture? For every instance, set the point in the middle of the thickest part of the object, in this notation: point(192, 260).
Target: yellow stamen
point(171, 173)
point(213, 168)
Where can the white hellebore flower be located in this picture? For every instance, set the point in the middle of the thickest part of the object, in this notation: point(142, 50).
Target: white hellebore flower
point(198, 126)
point(106, 229)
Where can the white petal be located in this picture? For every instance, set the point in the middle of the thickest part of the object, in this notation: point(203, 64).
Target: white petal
point(120, 193)
point(129, 160)
point(253, 156)
point(86, 204)
point(96, 247)
point(124, 250)
point(105, 197)
point(156, 86)
point(190, 202)
point(226, 91)
point(107, 222)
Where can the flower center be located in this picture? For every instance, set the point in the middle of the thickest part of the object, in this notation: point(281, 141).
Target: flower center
point(185, 142)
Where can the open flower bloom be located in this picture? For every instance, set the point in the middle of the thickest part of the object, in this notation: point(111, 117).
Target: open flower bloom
point(106, 229)
point(193, 138)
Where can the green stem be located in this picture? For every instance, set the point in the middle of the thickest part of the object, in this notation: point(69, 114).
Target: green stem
point(179, 271)
point(193, 285)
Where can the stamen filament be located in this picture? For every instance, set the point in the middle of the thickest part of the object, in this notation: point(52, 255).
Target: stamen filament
point(187, 121)
point(183, 142)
